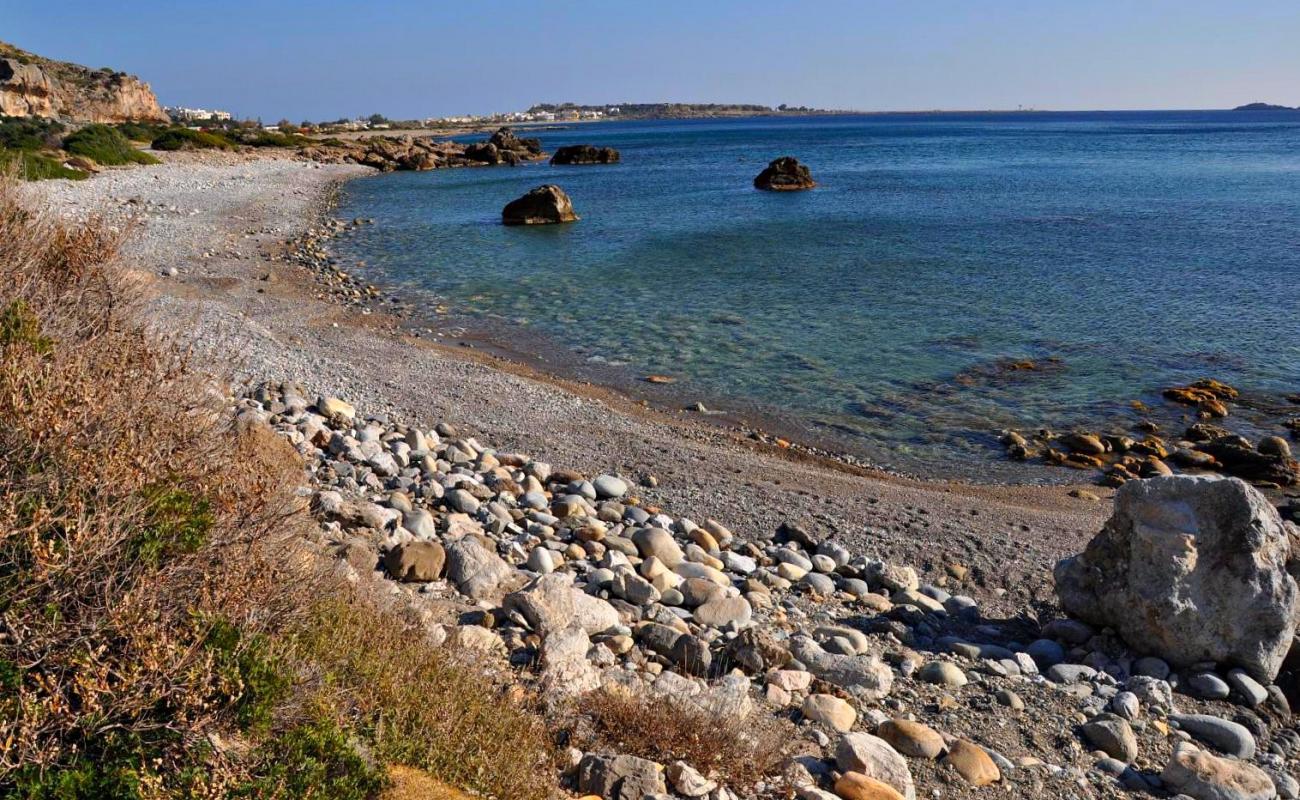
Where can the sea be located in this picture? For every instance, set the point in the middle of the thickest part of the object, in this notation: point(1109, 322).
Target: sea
point(953, 275)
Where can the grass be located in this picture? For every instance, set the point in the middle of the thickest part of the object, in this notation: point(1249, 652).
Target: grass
point(189, 139)
point(743, 748)
point(29, 133)
point(105, 145)
point(32, 166)
point(167, 633)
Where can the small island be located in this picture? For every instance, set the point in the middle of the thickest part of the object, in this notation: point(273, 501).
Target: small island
point(1263, 107)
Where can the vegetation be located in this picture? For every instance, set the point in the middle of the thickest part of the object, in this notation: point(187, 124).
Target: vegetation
point(31, 166)
point(105, 145)
point(188, 139)
point(167, 632)
point(142, 131)
point(29, 133)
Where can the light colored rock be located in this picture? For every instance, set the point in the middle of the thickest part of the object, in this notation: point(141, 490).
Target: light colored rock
point(721, 611)
point(874, 758)
point(659, 543)
point(830, 711)
point(551, 603)
point(866, 676)
point(912, 739)
point(609, 486)
point(687, 781)
point(943, 673)
point(565, 668)
point(1112, 735)
point(1203, 776)
point(332, 407)
point(1224, 735)
point(972, 763)
point(856, 786)
point(475, 570)
point(1190, 569)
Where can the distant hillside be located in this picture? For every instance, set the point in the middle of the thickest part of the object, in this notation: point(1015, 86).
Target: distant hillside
point(32, 86)
point(1262, 107)
point(677, 110)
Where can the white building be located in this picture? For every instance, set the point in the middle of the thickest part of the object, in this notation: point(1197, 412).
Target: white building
point(183, 114)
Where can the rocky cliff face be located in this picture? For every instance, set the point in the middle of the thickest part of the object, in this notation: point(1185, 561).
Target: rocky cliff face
point(35, 86)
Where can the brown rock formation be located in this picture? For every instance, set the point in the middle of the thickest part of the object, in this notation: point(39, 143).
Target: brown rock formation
point(35, 86)
point(785, 174)
point(544, 205)
point(585, 154)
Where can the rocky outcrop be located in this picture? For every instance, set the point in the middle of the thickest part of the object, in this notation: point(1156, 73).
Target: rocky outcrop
point(785, 174)
point(390, 153)
point(544, 205)
point(1190, 569)
point(579, 154)
point(39, 87)
point(505, 148)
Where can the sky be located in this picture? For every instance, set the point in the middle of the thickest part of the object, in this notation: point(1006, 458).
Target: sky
point(406, 59)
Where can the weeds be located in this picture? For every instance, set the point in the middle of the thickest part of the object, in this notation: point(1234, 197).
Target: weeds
point(188, 139)
point(105, 145)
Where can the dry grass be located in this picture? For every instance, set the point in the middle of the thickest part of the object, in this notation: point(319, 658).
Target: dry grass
point(742, 749)
point(155, 592)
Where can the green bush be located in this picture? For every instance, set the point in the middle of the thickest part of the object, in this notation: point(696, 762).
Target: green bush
point(18, 325)
point(141, 131)
point(188, 139)
point(176, 522)
point(29, 133)
point(31, 166)
point(105, 145)
point(315, 760)
point(255, 680)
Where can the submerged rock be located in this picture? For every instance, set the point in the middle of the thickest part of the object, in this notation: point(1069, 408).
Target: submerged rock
point(1190, 569)
point(576, 154)
point(544, 205)
point(785, 174)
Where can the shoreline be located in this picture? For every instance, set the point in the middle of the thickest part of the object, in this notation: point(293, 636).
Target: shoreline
point(224, 221)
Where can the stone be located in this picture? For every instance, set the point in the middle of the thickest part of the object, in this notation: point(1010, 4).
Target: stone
point(1202, 776)
point(1190, 569)
point(865, 676)
point(609, 487)
point(691, 655)
point(462, 501)
point(620, 777)
point(552, 602)
point(856, 786)
point(873, 757)
point(1151, 667)
point(1224, 735)
point(475, 570)
point(1247, 688)
point(476, 638)
point(1206, 686)
point(912, 739)
point(580, 154)
point(660, 544)
point(830, 711)
point(565, 668)
point(334, 408)
point(1112, 735)
point(785, 174)
point(972, 763)
point(544, 205)
point(416, 561)
point(1125, 705)
point(720, 612)
point(943, 673)
point(687, 781)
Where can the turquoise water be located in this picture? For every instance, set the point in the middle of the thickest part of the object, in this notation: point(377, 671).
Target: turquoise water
point(1122, 251)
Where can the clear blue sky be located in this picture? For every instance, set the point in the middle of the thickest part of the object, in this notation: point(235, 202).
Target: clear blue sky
point(414, 58)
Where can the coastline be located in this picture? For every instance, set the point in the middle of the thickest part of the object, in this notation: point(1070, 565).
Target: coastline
point(223, 222)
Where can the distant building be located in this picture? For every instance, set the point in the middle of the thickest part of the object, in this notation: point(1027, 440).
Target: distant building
point(183, 114)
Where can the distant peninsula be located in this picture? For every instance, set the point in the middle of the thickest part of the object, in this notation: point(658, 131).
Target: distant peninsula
point(1264, 107)
point(674, 110)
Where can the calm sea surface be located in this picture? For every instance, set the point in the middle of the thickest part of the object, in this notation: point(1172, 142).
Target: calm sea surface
point(1121, 252)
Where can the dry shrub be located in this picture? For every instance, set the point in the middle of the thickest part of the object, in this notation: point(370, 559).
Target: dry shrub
point(739, 749)
point(164, 629)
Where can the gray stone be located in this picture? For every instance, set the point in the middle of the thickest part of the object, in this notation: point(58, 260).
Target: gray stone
point(865, 676)
point(1071, 673)
point(565, 668)
point(1125, 705)
point(1205, 685)
point(475, 570)
point(659, 543)
point(943, 673)
point(609, 487)
point(462, 501)
point(1203, 776)
point(1247, 688)
point(1113, 736)
point(1222, 734)
point(1045, 652)
point(1190, 569)
point(721, 611)
point(620, 777)
point(873, 757)
point(551, 603)
point(1151, 667)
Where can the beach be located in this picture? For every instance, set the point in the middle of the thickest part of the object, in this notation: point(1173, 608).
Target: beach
point(223, 221)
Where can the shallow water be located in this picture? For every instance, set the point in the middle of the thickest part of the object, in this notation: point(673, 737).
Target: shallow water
point(1123, 252)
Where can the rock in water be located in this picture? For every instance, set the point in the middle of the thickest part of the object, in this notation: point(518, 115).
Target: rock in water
point(585, 154)
point(544, 205)
point(785, 174)
point(1190, 569)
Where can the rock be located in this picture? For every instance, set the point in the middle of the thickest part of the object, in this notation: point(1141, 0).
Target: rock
point(1190, 569)
point(691, 655)
point(1206, 686)
point(912, 739)
point(609, 487)
point(972, 763)
point(755, 650)
point(565, 668)
point(688, 782)
point(334, 408)
point(551, 603)
point(1274, 446)
point(785, 174)
point(873, 757)
point(544, 205)
point(475, 638)
point(416, 561)
point(619, 777)
point(475, 570)
point(1113, 736)
point(943, 673)
point(866, 676)
point(1227, 737)
point(462, 501)
point(1203, 776)
point(720, 612)
point(1125, 705)
point(576, 154)
point(856, 786)
point(830, 711)
point(660, 544)
point(1247, 688)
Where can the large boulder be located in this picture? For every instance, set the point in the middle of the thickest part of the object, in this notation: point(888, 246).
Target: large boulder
point(552, 603)
point(585, 154)
point(1190, 569)
point(545, 205)
point(785, 174)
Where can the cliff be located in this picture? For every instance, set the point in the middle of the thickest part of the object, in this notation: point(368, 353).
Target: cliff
point(34, 86)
